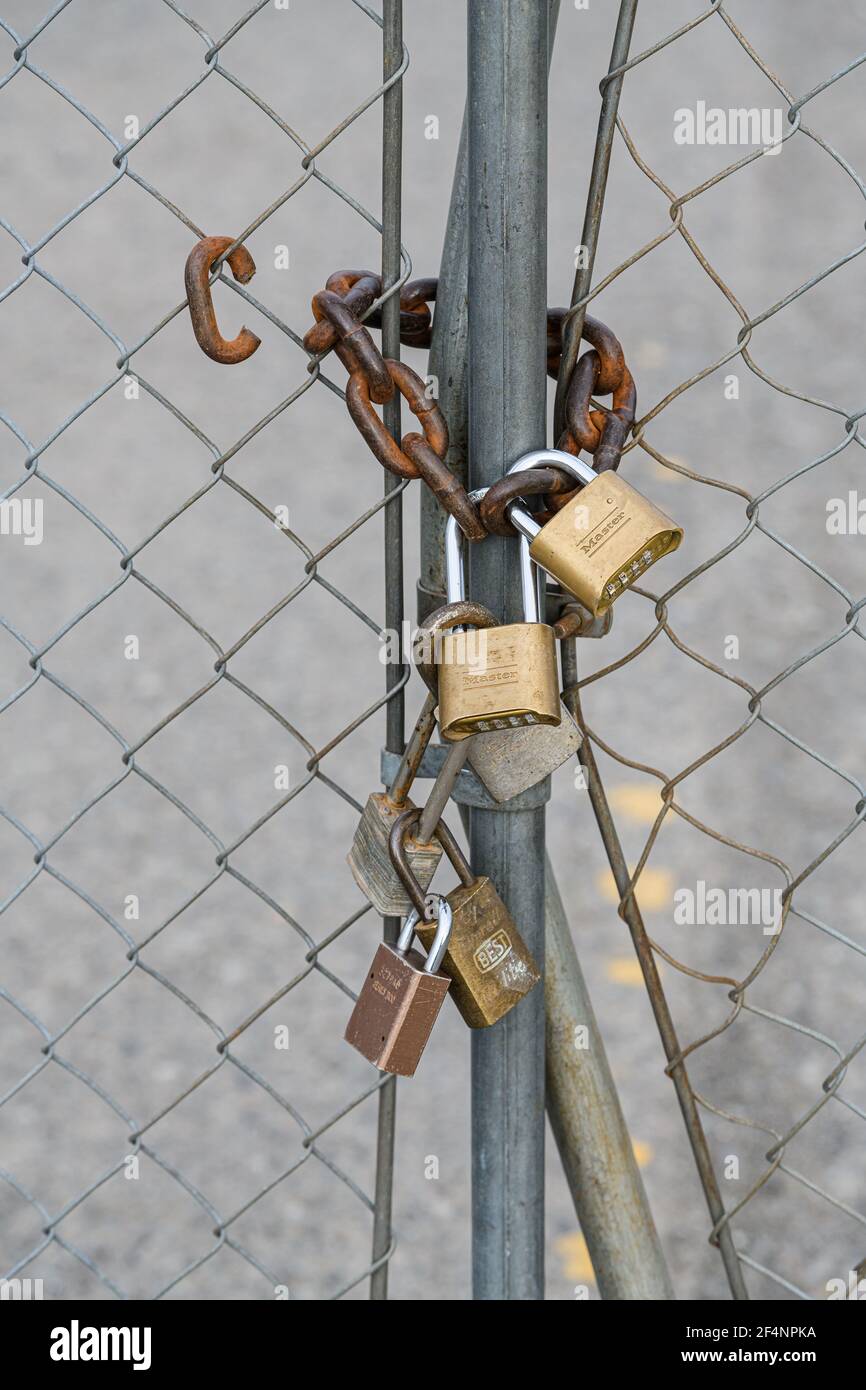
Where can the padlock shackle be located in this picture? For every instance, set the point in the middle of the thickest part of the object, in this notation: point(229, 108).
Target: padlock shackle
point(439, 944)
point(455, 554)
point(449, 618)
point(520, 517)
point(555, 458)
point(397, 850)
point(419, 739)
point(455, 568)
point(454, 854)
point(528, 583)
point(455, 560)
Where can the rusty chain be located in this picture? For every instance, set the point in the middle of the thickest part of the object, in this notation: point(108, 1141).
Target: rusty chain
point(602, 370)
point(339, 310)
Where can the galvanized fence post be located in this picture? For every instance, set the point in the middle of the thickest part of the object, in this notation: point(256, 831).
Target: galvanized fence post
point(508, 43)
point(392, 172)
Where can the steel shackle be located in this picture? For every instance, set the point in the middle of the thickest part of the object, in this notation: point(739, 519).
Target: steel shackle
point(444, 920)
point(531, 578)
point(522, 519)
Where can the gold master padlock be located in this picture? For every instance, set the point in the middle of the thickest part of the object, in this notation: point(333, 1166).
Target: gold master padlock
point(606, 537)
point(496, 678)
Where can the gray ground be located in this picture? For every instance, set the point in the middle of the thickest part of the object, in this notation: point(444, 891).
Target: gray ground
point(130, 1044)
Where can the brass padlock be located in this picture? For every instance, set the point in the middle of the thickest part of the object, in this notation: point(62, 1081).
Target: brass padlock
point(368, 858)
point(496, 678)
point(486, 957)
point(400, 999)
point(508, 761)
point(603, 540)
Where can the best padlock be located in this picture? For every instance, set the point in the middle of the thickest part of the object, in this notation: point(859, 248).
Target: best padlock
point(400, 999)
point(368, 858)
point(603, 540)
point(504, 677)
point(486, 957)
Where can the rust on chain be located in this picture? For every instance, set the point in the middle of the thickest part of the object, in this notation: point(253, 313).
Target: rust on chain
point(201, 310)
point(417, 455)
point(445, 485)
point(535, 482)
point(600, 372)
point(597, 430)
point(358, 289)
point(353, 344)
point(601, 432)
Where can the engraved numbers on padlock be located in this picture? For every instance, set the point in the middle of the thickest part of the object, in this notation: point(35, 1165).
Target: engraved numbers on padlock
point(603, 540)
point(401, 997)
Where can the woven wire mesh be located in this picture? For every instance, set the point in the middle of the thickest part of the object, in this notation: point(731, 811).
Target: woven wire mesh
point(803, 1091)
point(163, 1073)
point(73, 1219)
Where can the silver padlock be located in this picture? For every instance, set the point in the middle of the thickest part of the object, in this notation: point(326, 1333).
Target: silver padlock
point(510, 761)
point(368, 858)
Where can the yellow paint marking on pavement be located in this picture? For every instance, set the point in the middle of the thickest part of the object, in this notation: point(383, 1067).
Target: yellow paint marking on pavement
point(574, 1254)
point(643, 1153)
point(654, 891)
point(637, 801)
point(624, 970)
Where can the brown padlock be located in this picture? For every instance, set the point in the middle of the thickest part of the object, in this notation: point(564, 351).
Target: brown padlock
point(486, 957)
point(401, 997)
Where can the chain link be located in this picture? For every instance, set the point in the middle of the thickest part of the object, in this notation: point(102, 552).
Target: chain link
point(341, 326)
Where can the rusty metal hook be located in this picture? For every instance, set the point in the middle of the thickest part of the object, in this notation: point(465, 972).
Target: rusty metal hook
point(201, 311)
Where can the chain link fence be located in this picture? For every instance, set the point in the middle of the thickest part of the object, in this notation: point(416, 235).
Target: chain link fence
point(201, 960)
point(192, 698)
point(787, 1132)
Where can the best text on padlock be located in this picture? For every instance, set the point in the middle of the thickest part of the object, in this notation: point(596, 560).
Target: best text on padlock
point(490, 964)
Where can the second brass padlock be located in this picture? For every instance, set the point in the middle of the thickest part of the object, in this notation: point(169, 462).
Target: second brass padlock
point(496, 678)
point(603, 540)
point(489, 963)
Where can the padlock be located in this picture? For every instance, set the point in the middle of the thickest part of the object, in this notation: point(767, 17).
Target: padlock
point(508, 761)
point(368, 858)
point(401, 997)
point(603, 540)
point(501, 677)
point(486, 957)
